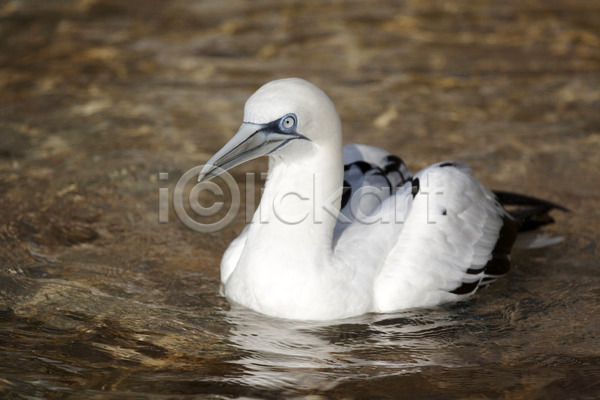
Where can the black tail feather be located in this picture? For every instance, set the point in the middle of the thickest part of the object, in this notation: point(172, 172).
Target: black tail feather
point(515, 199)
point(530, 212)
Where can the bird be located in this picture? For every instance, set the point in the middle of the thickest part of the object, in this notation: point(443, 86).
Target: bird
point(342, 231)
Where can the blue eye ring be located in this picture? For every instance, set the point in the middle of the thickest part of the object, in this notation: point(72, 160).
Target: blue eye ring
point(288, 122)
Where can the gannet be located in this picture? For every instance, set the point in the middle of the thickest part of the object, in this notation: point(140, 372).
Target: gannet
point(340, 232)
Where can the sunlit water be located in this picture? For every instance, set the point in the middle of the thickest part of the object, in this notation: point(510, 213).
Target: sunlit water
point(98, 97)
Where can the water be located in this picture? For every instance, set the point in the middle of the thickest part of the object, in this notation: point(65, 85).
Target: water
point(97, 97)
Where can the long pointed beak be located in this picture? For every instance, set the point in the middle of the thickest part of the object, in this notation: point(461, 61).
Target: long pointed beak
point(250, 141)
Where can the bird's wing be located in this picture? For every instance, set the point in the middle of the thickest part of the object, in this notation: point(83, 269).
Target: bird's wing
point(456, 237)
point(370, 176)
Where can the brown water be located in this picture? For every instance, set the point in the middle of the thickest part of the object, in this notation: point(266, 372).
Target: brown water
point(97, 299)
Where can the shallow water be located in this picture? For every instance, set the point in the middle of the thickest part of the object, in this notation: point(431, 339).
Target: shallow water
point(97, 299)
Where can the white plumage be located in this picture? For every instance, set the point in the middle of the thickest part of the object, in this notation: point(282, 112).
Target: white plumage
point(399, 241)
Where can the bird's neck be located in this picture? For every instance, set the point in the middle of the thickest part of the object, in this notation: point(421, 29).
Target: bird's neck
point(300, 204)
point(283, 268)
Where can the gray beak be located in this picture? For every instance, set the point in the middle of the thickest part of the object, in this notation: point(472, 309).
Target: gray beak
point(250, 141)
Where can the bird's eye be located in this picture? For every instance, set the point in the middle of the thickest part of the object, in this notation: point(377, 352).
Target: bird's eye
point(288, 122)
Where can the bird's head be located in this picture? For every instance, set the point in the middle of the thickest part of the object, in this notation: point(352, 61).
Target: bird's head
point(285, 117)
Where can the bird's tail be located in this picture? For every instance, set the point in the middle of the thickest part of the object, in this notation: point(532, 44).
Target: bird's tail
point(531, 213)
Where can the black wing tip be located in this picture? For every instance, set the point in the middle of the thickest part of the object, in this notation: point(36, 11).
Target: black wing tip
point(530, 214)
point(499, 262)
point(466, 288)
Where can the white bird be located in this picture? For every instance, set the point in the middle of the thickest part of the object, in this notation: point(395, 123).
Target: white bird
point(340, 233)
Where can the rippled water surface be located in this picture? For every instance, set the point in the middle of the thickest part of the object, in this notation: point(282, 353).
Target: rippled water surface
point(97, 97)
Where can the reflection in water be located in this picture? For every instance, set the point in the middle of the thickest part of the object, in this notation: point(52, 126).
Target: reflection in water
point(320, 355)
